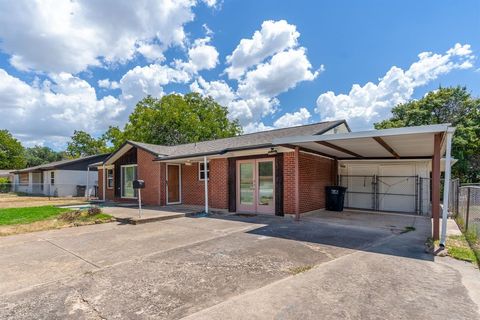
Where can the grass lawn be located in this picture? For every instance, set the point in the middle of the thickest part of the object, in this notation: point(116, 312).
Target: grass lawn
point(12, 216)
point(30, 219)
point(459, 248)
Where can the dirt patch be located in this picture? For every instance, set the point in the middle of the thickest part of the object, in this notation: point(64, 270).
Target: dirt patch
point(16, 201)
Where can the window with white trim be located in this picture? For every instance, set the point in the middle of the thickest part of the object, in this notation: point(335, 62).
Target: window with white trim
point(52, 177)
point(110, 178)
point(201, 171)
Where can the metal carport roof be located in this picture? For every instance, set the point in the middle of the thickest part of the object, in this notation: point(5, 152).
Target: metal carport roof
point(397, 143)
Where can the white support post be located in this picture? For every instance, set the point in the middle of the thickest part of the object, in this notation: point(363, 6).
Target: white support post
point(446, 187)
point(103, 184)
point(87, 190)
point(206, 182)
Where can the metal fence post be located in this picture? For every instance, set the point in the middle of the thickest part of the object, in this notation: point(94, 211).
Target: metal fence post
point(467, 217)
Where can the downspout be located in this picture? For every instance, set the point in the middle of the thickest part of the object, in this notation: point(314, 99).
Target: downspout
point(206, 182)
point(103, 184)
point(446, 187)
point(88, 182)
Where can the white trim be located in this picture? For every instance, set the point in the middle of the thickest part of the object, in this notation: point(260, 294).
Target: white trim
point(121, 180)
point(207, 171)
point(446, 188)
point(113, 178)
point(364, 134)
point(179, 182)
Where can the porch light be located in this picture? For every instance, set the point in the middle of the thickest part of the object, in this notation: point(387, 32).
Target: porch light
point(188, 163)
point(272, 152)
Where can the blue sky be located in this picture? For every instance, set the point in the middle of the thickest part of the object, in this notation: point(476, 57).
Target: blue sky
point(299, 68)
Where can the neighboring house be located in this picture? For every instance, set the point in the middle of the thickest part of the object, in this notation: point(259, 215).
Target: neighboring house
point(59, 178)
point(7, 174)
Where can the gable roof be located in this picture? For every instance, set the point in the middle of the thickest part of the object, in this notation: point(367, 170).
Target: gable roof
point(245, 141)
point(63, 163)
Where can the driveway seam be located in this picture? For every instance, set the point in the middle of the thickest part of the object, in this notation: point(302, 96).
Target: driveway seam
point(72, 253)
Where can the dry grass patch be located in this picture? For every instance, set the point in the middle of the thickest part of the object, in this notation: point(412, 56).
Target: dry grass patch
point(11, 200)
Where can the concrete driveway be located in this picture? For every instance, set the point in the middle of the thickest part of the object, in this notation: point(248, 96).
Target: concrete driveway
point(329, 266)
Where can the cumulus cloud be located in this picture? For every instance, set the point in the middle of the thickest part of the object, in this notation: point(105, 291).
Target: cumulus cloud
point(298, 118)
point(273, 37)
point(51, 109)
point(283, 72)
point(202, 56)
point(149, 80)
point(107, 84)
point(372, 102)
point(69, 36)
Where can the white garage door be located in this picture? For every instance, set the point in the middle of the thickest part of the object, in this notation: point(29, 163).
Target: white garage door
point(396, 187)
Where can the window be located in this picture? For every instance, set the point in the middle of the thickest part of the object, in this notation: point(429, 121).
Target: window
point(23, 179)
point(201, 171)
point(110, 178)
point(52, 177)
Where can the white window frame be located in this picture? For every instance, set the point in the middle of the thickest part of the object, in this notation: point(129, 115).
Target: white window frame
point(110, 178)
point(121, 180)
point(200, 171)
point(52, 178)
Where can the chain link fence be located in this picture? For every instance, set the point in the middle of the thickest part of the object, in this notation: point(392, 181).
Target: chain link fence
point(50, 190)
point(384, 193)
point(468, 208)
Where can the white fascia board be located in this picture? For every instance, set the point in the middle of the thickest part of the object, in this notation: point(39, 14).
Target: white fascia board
point(435, 128)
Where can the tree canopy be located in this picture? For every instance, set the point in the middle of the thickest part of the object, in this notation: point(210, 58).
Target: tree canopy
point(453, 105)
point(175, 119)
point(38, 155)
point(83, 144)
point(11, 152)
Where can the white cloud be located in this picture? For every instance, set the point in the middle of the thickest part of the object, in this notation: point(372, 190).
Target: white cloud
point(202, 56)
point(370, 103)
point(149, 80)
point(285, 70)
point(107, 84)
point(69, 36)
point(219, 90)
point(256, 127)
point(151, 52)
point(52, 109)
point(273, 37)
point(298, 118)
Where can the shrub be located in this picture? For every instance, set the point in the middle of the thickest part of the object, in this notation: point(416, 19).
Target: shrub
point(70, 215)
point(94, 211)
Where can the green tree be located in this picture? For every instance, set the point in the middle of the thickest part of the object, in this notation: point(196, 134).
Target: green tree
point(115, 136)
point(453, 105)
point(38, 155)
point(11, 152)
point(83, 144)
point(175, 119)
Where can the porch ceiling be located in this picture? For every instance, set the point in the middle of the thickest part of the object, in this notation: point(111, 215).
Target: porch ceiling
point(398, 143)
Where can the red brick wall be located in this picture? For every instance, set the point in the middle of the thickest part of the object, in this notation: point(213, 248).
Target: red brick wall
point(193, 189)
point(315, 174)
point(289, 183)
point(109, 192)
point(149, 171)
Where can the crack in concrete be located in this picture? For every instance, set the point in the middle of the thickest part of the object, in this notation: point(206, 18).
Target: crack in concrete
point(72, 253)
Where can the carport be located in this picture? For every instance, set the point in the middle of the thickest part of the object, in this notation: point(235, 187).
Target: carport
point(396, 145)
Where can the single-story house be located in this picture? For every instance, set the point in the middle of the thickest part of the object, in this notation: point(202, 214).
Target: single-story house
point(7, 174)
point(285, 171)
point(59, 178)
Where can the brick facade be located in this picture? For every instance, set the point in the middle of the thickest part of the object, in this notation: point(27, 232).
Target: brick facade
point(314, 174)
point(193, 189)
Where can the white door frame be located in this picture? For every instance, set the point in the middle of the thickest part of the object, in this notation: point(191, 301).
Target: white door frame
point(179, 182)
point(121, 179)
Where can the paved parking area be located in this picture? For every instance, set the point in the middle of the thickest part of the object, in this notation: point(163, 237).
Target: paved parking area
point(329, 265)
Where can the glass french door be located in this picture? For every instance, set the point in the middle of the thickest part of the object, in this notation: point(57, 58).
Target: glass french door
point(129, 173)
point(256, 186)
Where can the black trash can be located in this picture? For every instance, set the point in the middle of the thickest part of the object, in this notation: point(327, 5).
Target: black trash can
point(335, 198)
point(81, 191)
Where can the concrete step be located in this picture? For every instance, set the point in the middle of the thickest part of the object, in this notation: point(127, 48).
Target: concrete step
point(140, 220)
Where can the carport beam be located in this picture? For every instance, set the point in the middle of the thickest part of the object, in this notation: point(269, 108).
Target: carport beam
point(446, 188)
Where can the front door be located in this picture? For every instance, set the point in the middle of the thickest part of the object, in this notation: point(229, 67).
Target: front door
point(256, 186)
point(173, 183)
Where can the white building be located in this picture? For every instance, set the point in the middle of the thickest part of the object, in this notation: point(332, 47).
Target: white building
point(65, 178)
